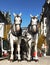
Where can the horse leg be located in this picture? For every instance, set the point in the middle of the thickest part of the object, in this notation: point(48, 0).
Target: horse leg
point(29, 50)
point(15, 51)
point(11, 45)
point(35, 48)
point(19, 41)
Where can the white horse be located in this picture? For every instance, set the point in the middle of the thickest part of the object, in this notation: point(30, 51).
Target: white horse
point(32, 36)
point(15, 35)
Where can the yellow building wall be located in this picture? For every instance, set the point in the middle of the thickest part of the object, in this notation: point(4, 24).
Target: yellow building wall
point(6, 30)
point(41, 40)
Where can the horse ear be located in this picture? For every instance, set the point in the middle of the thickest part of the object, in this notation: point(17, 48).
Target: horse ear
point(20, 14)
point(14, 14)
point(31, 15)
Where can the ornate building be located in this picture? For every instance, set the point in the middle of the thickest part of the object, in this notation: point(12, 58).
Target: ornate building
point(45, 15)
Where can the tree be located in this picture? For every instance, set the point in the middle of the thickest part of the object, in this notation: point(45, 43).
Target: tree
point(8, 17)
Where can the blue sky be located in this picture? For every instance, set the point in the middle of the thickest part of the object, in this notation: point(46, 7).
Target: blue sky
point(26, 7)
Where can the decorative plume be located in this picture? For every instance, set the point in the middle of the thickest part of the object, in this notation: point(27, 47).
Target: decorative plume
point(37, 15)
point(31, 15)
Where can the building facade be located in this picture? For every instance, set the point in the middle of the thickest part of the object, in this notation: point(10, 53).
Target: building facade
point(45, 14)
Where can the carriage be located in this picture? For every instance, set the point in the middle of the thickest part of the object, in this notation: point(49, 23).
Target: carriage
point(4, 29)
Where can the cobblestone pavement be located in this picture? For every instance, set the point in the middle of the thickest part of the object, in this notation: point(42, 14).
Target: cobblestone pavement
point(42, 61)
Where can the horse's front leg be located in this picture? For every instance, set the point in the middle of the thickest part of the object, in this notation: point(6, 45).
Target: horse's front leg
point(11, 45)
point(19, 41)
point(35, 48)
point(29, 50)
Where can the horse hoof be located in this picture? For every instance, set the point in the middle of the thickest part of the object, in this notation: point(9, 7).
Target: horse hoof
point(11, 60)
point(36, 60)
point(29, 60)
point(19, 60)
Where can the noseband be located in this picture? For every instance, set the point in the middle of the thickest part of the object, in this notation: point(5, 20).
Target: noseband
point(31, 30)
point(17, 33)
point(17, 24)
point(34, 25)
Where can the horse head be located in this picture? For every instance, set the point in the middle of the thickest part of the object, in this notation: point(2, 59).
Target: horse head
point(34, 23)
point(17, 21)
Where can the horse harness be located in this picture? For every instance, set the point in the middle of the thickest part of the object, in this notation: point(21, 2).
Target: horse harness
point(16, 33)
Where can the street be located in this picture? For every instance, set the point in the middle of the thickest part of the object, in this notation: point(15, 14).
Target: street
point(42, 61)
